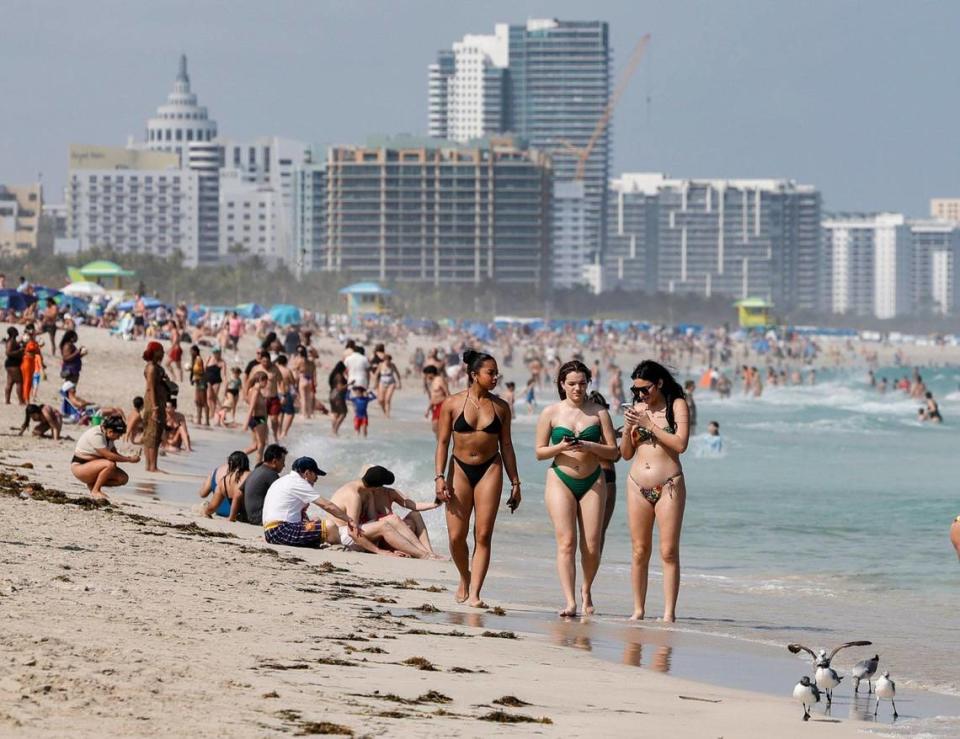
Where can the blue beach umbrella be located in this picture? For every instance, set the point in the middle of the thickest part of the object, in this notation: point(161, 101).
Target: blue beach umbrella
point(72, 303)
point(148, 303)
point(13, 300)
point(285, 315)
point(250, 310)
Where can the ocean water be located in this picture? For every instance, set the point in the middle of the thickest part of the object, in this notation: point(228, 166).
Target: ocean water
point(824, 520)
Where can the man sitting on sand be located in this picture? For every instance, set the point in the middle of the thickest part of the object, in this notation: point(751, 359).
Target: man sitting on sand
point(258, 482)
point(135, 422)
point(285, 518)
point(380, 524)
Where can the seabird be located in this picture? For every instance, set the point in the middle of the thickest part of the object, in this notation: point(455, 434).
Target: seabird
point(807, 693)
point(827, 679)
point(822, 659)
point(886, 689)
point(865, 669)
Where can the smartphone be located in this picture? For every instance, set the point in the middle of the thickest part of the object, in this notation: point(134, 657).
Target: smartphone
point(626, 406)
point(572, 439)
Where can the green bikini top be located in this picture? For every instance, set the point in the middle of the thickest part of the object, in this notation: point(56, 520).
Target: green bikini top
point(590, 433)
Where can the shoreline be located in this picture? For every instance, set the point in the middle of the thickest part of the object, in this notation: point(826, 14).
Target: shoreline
point(228, 627)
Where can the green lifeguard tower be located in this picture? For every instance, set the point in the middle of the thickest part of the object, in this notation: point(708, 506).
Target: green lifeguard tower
point(753, 312)
point(99, 270)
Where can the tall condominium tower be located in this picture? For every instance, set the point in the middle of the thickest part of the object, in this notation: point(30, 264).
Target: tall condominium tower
point(548, 82)
point(936, 266)
point(742, 238)
point(871, 263)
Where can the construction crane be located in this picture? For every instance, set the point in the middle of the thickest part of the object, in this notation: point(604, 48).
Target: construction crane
point(582, 153)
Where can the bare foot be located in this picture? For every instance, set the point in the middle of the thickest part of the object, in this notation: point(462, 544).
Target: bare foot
point(587, 601)
point(99, 496)
point(669, 618)
point(476, 603)
point(637, 616)
point(568, 612)
point(463, 592)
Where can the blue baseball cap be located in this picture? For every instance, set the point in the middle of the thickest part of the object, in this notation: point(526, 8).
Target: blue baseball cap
point(307, 464)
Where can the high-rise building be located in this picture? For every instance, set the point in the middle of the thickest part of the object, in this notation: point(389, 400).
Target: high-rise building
point(947, 209)
point(547, 82)
point(467, 87)
point(741, 238)
point(132, 200)
point(425, 210)
point(870, 257)
point(180, 120)
point(936, 266)
point(20, 209)
point(255, 169)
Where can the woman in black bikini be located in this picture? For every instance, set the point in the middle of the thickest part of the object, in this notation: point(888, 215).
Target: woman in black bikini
point(479, 423)
point(656, 430)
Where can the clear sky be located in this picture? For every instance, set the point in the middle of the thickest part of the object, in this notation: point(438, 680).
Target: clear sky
point(857, 97)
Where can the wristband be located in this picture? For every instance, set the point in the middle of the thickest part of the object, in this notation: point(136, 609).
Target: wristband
point(516, 484)
point(441, 476)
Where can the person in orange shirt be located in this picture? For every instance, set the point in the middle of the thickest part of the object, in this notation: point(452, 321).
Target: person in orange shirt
point(31, 368)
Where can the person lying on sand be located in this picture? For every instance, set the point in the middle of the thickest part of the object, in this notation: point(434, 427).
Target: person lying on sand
point(95, 457)
point(380, 506)
point(385, 535)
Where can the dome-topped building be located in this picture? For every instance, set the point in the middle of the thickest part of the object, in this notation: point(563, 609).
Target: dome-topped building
point(181, 120)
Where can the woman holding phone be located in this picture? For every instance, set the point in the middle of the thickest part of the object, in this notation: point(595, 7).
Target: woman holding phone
point(655, 433)
point(576, 434)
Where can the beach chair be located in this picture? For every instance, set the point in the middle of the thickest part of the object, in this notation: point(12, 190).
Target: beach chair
point(72, 414)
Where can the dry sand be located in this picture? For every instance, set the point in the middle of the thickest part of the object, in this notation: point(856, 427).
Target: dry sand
point(143, 619)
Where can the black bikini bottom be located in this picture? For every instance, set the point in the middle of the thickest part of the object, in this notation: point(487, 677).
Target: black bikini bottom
point(475, 472)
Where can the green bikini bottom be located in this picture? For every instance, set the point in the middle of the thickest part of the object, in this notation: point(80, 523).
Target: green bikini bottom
point(579, 486)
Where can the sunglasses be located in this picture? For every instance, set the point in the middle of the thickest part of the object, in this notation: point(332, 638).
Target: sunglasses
point(642, 392)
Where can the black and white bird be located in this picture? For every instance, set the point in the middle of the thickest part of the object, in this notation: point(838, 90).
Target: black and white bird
point(865, 669)
point(827, 679)
point(886, 689)
point(807, 694)
point(821, 658)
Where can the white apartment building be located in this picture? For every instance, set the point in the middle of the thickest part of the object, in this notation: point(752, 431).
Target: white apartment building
point(466, 87)
point(253, 169)
point(570, 263)
point(132, 201)
point(249, 219)
point(936, 277)
point(871, 263)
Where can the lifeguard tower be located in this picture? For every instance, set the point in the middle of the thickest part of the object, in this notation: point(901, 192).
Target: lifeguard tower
point(366, 299)
point(753, 312)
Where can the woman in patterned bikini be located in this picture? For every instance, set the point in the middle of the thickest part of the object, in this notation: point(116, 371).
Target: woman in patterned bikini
point(656, 431)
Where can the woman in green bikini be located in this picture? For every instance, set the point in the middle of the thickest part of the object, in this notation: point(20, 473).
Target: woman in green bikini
point(576, 434)
point(656, 431)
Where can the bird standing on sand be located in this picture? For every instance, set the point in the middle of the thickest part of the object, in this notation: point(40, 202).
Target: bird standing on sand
point(807, 693)
point(886, 689)
point(865, 669)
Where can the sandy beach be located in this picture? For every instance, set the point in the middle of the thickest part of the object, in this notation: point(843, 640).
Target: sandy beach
point(144, 619)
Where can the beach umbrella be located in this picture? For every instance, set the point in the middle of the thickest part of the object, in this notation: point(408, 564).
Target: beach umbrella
point(250, 310)
point(13, 300)
point(148, 303)
point(84, 289)
point(285, 315)
point(45, 293)
point(72, 303)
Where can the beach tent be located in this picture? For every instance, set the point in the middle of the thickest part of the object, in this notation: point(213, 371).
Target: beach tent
point(101, 269)
point(250, 310)
point(84, 289)
point(285, 315)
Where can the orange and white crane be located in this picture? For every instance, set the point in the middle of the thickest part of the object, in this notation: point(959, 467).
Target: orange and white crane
point(582, 153)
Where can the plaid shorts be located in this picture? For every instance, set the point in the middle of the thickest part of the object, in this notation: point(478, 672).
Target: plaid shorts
point(299, 534)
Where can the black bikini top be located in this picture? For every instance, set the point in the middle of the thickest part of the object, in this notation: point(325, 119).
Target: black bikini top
point(462, 427)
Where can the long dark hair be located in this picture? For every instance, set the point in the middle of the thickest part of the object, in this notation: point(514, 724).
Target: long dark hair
point(69, 337)
point(474, 361)
point(659, 375)
point(237, 464)
point(338, 369)
point(574, 365)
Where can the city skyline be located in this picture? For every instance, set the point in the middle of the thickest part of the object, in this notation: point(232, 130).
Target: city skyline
point(729, 109)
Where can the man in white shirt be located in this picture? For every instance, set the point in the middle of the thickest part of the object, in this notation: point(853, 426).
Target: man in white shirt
point(285, 509)
point(358, 368)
